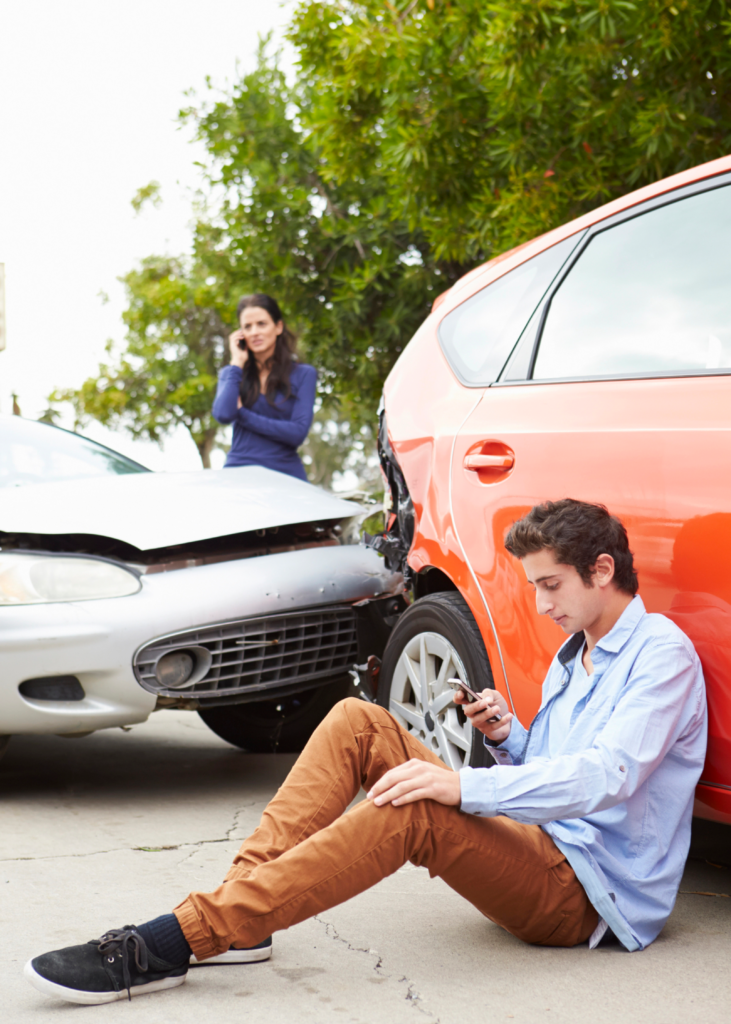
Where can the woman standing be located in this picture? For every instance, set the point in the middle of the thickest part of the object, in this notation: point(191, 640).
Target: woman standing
point(267, 395)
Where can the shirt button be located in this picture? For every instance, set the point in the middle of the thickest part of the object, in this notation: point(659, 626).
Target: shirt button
point(622, 768)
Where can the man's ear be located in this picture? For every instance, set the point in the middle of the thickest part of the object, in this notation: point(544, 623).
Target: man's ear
point(603, 572)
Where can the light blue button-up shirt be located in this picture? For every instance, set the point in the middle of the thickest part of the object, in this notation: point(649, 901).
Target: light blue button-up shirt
point(617, 796)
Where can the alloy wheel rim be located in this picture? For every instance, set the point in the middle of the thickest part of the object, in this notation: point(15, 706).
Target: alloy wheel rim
point(423, 703)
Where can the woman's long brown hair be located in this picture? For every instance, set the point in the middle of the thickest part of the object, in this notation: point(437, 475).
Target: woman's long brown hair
point(280, 365)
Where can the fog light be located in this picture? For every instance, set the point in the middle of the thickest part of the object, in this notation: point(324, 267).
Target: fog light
point(183, 668)
point(175, 669)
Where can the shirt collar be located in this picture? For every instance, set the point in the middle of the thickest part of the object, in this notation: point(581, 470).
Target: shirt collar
point(571, 648)
point(615, 639)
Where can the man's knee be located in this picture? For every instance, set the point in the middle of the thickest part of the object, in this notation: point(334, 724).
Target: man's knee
point(361, 713)
point(352, 717)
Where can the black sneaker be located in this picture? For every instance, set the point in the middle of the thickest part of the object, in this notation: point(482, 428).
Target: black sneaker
point(250, 955)
point(118, 964)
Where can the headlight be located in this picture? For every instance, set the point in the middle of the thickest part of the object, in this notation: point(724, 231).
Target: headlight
point(43, 579)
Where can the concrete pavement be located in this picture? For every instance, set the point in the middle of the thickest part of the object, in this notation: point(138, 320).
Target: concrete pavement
point(118, 827)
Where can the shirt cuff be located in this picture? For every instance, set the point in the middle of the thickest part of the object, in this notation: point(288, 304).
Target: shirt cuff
point(479, 791)
point(512, 746)
point(230, 371)
point(501, 756)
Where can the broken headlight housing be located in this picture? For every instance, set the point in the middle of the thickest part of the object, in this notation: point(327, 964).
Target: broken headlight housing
point(395, 541)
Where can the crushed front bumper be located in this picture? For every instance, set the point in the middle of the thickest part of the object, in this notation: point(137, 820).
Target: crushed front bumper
point(95, 641)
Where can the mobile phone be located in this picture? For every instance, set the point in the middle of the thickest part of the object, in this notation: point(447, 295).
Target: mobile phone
point(459, 684)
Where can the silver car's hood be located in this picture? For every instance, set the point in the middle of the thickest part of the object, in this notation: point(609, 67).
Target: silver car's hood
point(156, 510)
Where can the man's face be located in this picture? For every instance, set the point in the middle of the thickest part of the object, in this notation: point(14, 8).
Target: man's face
point(561, 592)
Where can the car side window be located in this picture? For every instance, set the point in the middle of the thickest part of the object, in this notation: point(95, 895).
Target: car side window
point(478, 336)
point(649, 295)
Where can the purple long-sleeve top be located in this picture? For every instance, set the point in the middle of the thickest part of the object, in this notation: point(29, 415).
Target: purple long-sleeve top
point(268, 435)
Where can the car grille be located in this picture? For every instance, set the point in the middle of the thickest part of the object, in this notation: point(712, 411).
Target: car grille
point(258, 654)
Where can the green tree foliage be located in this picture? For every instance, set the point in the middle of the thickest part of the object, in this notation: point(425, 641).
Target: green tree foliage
point(149, 193)
point(491, 122)
point(419, 138)
point(354, 280)
point(333, 447)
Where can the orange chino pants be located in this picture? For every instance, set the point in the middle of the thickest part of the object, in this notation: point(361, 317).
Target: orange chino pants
point(309, 853)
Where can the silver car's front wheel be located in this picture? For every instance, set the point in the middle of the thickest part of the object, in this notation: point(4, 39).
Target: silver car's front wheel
point(435, 640)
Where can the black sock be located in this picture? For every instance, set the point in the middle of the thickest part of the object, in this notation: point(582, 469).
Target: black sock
point(164, 938)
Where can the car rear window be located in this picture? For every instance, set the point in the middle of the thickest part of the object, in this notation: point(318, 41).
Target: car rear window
point(649, 295)
point(478, 336)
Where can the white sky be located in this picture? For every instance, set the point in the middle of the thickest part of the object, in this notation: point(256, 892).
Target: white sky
point(89, 94)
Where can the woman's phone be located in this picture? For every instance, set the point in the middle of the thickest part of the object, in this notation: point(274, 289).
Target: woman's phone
point(459, 684)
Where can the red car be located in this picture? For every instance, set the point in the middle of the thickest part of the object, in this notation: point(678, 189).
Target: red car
point(593, 362)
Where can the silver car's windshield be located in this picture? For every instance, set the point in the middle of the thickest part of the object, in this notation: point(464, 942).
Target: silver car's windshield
point(34, 453)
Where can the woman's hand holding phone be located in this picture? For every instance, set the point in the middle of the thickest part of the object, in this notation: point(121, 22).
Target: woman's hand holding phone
point(489, 714)
point(238, 349)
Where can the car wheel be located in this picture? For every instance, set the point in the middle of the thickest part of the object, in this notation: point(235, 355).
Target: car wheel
point(282, 725)
point(4, 740)
point(435, 640)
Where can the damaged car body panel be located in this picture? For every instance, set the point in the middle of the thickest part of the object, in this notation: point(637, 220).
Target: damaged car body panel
point(95, 642)
point(398, 535)
point(410, 527)
point(150, 511)
point(191, 590)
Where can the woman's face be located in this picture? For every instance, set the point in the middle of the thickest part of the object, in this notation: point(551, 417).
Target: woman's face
point(260, 332)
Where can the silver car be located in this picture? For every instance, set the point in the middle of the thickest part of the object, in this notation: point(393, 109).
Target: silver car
point(242, 594)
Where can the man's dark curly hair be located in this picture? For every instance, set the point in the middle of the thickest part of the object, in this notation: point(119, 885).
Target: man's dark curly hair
point(577, 532)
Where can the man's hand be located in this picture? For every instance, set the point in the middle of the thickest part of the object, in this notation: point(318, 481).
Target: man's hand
point(480, 712)
point(417, 780)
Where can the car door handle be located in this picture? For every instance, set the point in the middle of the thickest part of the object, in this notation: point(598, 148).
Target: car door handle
point(478, 461)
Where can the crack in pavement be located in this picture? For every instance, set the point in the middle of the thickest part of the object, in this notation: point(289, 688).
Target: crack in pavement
point(332, 933)
point(412, 996)
point(228, 838)
point(114, 849)
point(237, 815)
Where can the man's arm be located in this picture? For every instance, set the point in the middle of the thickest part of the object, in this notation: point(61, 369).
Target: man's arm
point(422, 780)
point(508, 735)
point(657, 705)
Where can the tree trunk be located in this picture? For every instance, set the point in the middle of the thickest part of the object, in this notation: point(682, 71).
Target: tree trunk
point(205, 446)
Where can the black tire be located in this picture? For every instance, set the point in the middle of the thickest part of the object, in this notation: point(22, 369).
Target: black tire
point(4, 741)
point(282, 725)
point(445, 626)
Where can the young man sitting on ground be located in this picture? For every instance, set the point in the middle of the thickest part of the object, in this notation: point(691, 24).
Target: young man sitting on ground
point(582, 826)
